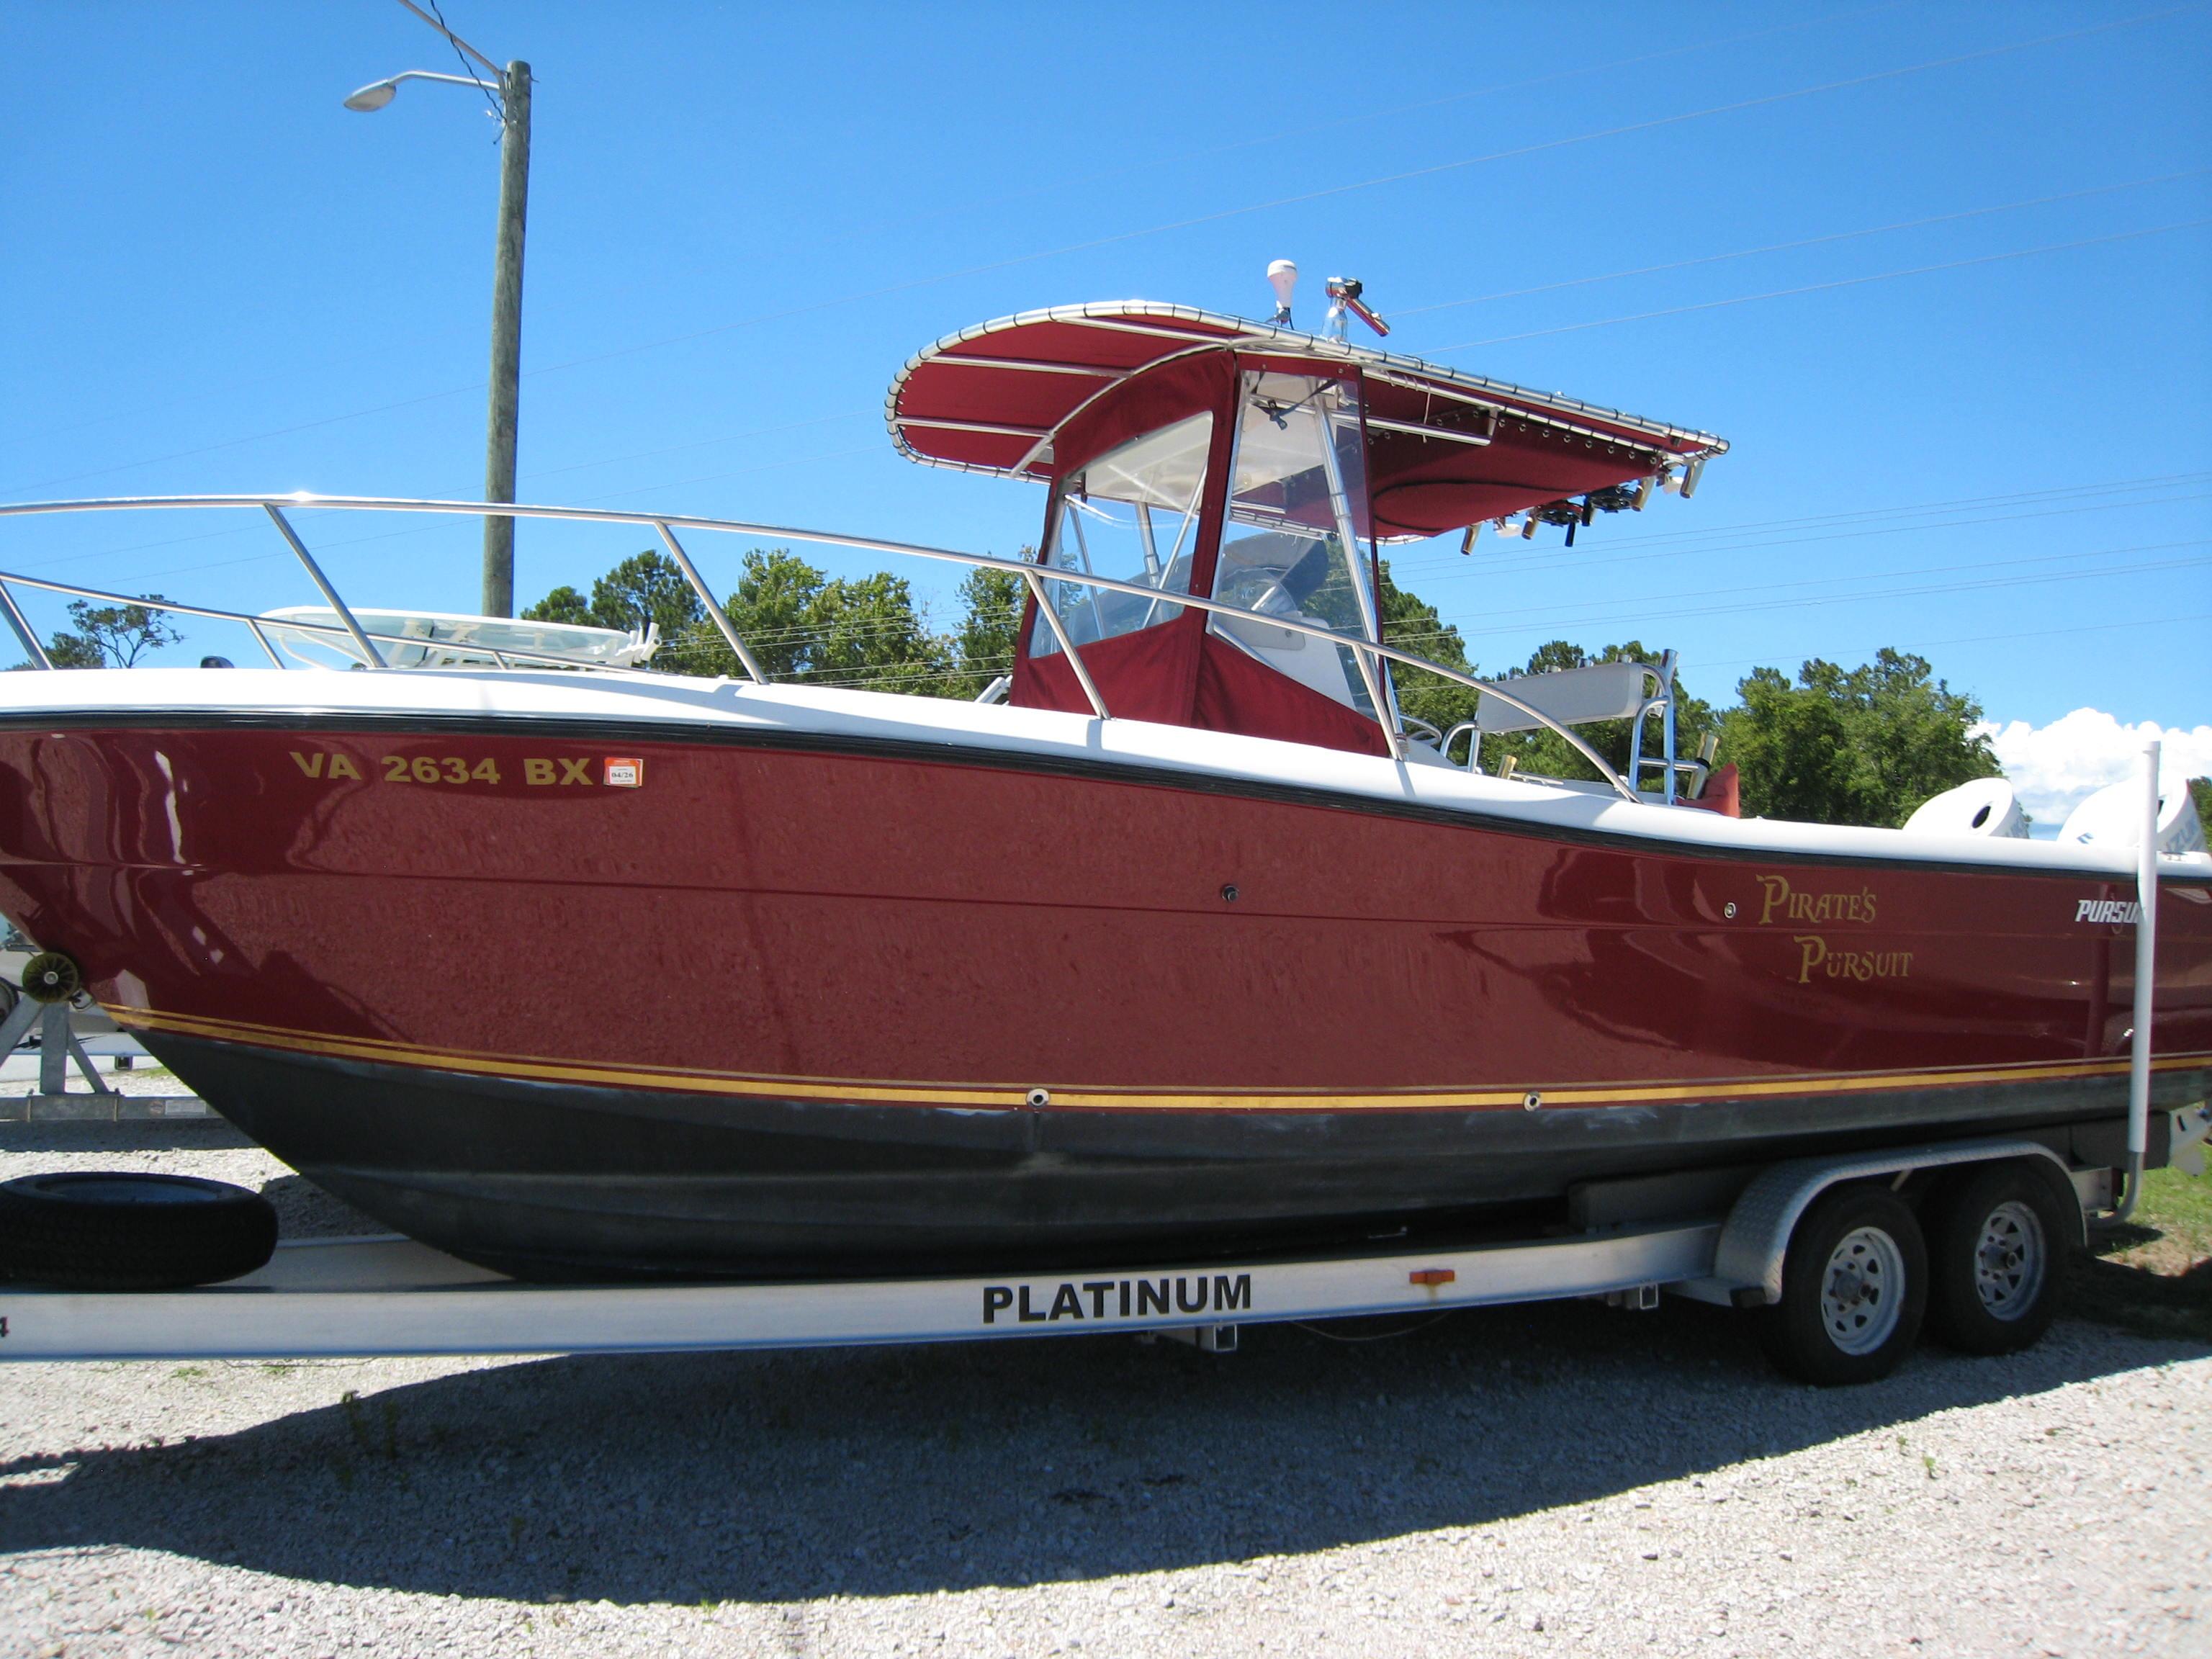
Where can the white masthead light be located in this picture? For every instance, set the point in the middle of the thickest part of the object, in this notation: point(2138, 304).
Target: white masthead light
point(1282, 277)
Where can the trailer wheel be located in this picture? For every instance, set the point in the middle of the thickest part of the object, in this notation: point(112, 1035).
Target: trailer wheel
point(1854, 1289)
point(1999, 1267)
point(88, 1230)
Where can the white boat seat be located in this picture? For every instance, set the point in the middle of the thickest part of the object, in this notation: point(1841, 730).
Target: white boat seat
point(1572, 696)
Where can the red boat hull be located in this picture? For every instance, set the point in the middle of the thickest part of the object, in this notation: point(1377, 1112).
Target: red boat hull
point(581, 999)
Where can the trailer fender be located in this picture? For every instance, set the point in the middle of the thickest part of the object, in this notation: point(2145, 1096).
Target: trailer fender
point(1747, 1263)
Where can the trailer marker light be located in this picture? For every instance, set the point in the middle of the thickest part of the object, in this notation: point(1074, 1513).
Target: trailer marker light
point(1431, 1276)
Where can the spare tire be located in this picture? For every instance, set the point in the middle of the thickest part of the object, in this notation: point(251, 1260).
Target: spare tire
point(100, 1230)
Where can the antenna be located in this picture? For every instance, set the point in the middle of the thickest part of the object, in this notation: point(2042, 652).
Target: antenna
point(1345, 292)
point(1283, 277)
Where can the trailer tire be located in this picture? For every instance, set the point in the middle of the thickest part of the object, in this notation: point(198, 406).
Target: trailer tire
point(1854, 1289)
point(1998, 1249)
point(93, 1230)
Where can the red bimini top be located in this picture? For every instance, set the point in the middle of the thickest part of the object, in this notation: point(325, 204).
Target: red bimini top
point(1444, 449)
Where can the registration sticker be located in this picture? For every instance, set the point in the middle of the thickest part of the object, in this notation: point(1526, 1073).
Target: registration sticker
point(625, 773)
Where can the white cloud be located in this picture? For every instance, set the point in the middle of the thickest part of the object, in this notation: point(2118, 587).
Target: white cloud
point(2055, 768)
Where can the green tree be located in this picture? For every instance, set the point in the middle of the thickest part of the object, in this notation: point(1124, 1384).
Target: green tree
point(1792, 750)
point(647, 589)
point(865, 631)
point(799, 623)
point(113, 636)
point(564, 605)
point(644, 590)
point(990, 625)
point(1864, 745)
point(1411, 623)
point(2200, 791)
point(774, 613)
point(72, 651)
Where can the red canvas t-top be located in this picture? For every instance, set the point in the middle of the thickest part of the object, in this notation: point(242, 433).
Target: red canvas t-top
point(1189, 452)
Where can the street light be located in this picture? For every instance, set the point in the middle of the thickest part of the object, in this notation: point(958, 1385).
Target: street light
point(512, 92)
point(377, 94)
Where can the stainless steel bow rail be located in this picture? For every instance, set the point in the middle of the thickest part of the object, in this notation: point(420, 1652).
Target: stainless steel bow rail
point(1369, 652)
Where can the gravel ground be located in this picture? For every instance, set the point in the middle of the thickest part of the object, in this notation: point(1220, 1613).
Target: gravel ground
point(19, 1074)
point(1566, 1479)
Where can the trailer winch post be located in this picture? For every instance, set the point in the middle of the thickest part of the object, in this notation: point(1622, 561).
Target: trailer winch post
point(2146, 969)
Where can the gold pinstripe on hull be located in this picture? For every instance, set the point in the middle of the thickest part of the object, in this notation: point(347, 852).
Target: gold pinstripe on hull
point(1011, 1096)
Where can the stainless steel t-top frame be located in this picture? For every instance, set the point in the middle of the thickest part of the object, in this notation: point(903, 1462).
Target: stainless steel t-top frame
point(1369, 652)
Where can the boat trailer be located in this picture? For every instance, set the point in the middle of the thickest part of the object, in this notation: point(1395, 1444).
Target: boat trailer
point(388, 1296)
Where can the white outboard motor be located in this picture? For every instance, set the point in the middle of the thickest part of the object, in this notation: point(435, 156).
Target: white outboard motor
point(1984, 806)
point(2110, 817)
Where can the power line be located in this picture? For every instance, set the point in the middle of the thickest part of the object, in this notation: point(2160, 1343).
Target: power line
point(859, 679)
point(1512, 153)
point(1534, 616)
point(1434, 571)
point(1982, 639)
point(1822, 287)
point(426, 528)
point(1801, 242)
point(647, 454)
point(1847, 597)
point(703, 443)
point(1516, 152)
point(739, 472)
point(255, 438)
point(1062, 185)
point(1863, 598)
point(1413, 638)
point(1947, 504)
point(1430, 569)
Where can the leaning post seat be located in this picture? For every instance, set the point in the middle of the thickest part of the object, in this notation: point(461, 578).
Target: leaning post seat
point(1588, 696)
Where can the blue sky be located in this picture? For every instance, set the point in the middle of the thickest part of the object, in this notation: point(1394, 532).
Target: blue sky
point(743, 219)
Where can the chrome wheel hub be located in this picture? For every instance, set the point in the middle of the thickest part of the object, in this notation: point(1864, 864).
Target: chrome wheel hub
point(2009, 1261)
point(1862, 1290)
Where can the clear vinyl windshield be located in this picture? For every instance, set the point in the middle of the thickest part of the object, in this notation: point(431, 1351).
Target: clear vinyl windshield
point(1298, 542)
point(1131, 514)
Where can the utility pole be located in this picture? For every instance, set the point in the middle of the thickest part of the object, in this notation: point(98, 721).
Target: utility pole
point(512, 92)
point(507, 337)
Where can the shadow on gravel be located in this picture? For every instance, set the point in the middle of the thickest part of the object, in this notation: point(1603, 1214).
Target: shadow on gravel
point(194, 1134)
point(2137, 1298)
point(306, 1211)
point(777, 1477)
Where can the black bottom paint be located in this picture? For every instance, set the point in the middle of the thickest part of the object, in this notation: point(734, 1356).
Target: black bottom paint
point(560, 1182)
